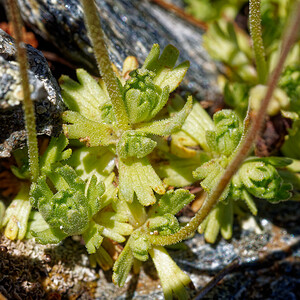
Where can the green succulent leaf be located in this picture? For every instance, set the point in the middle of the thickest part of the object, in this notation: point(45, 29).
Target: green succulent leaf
point(90, 132)
point(36, 223)
point(249, 201)
point(39, 190)
point(148, 89)
point(278, 162)
point(211, 226)
point(220, 219)
point(135, 144)
point(72, 179)
point(70, 209)
point(115, 225)
point(167, 126)
point(102, 257)
point(110, 191)
point(135, 211)
point(226, 219)
point(137, 177)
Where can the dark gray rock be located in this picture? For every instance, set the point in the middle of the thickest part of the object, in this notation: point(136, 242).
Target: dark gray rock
point(45, 94)
point(131, 28)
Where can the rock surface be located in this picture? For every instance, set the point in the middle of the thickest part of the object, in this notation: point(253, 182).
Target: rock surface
point(131, 28)
point(269, 265)
point(45, 94)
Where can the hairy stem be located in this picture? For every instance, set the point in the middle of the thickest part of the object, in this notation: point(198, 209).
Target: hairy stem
point(93, 24)
point(244, 148)
point(256, 35)
point(28, 106)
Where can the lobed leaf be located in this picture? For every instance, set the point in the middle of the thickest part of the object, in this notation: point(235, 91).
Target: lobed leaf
point(123, 266)
point(172, 278)
point(98, 161)
point(163, 67)
point(94, 192)
point(172, 202)
point(137, 176)
point(142, 97)
point(164, 225)
point(85, 97)
point(49, 236)
point(134, 144)
point(115, 225)
point(54, 153)
point(177, 171)
point(167, 126)
point(92, 237)
point(90, 132)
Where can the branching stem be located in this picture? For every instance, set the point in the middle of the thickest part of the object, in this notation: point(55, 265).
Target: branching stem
point(256, 35)
point(94, 27)
point(28, 106)
point(244, 148)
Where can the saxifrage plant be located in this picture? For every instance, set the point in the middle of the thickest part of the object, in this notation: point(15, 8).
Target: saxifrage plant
point(124, 124)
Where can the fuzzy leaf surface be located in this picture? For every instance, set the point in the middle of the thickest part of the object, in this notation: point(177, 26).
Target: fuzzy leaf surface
point(137, 176)
point(90, 132)
point(167, 126)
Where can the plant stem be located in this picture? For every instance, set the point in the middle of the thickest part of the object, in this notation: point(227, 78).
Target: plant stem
point(28, 106)
point(256, 35)
point(93, 24)
point(244, 147)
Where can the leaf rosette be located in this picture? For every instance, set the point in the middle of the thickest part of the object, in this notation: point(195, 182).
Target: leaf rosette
point(144, 94)
point(143, 99)
point(260, 178)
